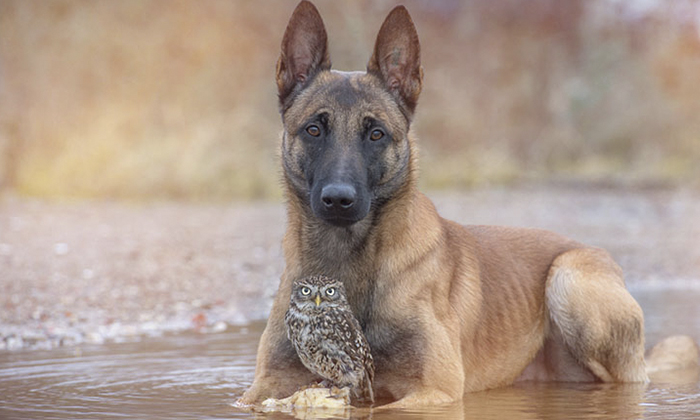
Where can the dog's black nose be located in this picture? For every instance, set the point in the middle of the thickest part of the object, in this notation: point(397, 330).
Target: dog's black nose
point(338, 196)
point(340, 203)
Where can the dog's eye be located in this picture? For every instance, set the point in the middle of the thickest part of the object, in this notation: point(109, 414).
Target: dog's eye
point(376, 134)
point(313, 130)
point(305, 291)
point(330, 291)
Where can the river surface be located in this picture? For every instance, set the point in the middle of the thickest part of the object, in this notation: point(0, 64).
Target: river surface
point(200, 376)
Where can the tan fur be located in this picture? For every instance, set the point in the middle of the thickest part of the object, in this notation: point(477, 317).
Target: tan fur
point(447, 309)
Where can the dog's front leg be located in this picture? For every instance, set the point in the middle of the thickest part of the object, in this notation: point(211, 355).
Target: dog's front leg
point(278, 371)
point(423, 366)
point(422, 398)
point(276, 384)
point(443, 384)
point(278, 374)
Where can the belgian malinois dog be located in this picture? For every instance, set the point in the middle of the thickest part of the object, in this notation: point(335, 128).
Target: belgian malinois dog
point(447, 309)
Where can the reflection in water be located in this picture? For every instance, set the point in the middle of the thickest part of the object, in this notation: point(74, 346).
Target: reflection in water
point(201, 375)
point(559, 401)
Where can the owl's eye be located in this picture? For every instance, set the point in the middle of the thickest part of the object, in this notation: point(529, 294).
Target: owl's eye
point(305, 291)
point(330, 291)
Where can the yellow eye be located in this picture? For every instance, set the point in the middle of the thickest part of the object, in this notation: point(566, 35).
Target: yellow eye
point(330, 291)
point(376, 134)
point(305, 291)
point(313, 130)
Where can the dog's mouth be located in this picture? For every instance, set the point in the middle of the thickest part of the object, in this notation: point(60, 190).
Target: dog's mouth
point(341, 217)
point(339, 221)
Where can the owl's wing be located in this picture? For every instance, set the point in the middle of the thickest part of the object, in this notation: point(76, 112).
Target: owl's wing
point(363, 348)
point(357, 348)
point(288, 324)
point(353, 340)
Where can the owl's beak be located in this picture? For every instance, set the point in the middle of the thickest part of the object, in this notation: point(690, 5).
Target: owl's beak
point(318, 300)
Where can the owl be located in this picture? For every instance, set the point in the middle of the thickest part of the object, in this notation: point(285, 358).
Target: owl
point(327, 336)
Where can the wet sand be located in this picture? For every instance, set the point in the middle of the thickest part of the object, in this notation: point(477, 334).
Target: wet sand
point(96, 272)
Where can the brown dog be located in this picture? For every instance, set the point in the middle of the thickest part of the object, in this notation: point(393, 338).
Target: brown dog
point(447, 309)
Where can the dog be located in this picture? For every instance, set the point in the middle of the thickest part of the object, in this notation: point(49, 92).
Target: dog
point(447, 309)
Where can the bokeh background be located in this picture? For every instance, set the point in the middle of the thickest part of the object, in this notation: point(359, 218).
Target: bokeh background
point(144, 99)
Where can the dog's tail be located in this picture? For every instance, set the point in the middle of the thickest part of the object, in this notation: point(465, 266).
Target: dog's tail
point(675, 359)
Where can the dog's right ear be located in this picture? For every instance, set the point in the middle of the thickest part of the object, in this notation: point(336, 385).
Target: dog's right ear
point(304, 50)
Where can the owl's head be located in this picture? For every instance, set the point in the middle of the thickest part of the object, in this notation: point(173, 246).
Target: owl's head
point(318, 292)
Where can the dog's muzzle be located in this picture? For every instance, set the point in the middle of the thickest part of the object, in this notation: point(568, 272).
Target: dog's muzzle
point(339, 204)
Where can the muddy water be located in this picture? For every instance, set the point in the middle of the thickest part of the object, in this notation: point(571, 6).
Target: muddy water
point(201, 375)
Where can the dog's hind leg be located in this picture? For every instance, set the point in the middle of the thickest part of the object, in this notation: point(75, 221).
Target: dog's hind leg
point(598, 321)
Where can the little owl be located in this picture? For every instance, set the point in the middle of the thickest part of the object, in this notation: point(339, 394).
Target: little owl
point(327, 337)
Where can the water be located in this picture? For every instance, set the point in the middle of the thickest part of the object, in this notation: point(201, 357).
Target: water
point(177, 376)
point(200, 376)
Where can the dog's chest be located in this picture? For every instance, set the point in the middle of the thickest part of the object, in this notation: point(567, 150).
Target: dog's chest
point(396, 342)
point(395, 337)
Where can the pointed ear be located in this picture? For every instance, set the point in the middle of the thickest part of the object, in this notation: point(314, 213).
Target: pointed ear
point(304, 50)
point(396, 58)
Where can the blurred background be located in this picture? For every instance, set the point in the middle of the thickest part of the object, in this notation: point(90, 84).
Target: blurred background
point(144, 99)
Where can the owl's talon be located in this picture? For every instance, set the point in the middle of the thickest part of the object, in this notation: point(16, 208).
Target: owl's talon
point(336, 392)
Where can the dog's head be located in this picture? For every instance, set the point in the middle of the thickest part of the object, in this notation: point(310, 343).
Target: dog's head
point(346, 148)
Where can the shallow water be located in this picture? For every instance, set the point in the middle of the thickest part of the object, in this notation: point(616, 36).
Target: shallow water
point(201, 375)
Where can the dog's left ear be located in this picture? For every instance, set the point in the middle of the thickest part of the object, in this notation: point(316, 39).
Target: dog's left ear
point(396, 58)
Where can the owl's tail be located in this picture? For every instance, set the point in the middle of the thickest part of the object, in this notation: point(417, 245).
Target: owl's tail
point(366, 387)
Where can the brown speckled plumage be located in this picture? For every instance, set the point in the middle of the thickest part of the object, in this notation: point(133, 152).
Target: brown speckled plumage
point(327, 337)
